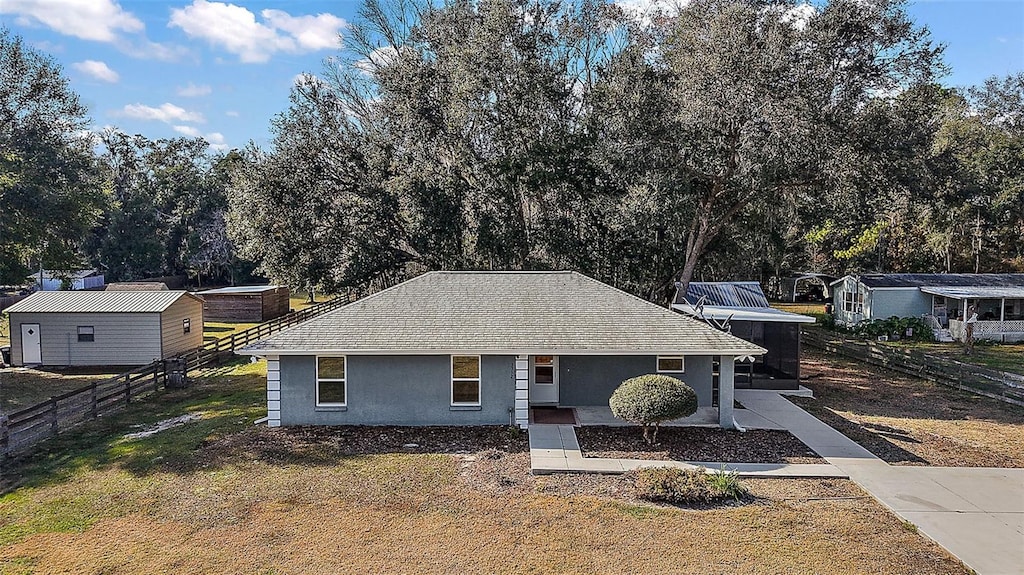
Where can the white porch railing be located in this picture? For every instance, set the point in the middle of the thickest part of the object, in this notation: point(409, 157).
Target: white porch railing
point(1007, 331)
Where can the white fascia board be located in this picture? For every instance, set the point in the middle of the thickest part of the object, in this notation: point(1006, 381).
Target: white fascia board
point(753, 350)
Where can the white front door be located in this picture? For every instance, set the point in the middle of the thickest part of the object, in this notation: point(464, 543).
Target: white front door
point(31, 347)
point(544, 379)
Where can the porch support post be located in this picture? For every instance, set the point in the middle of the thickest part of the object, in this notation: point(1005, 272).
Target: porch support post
point(273, 391)
point(726, 393)
point(522, 376)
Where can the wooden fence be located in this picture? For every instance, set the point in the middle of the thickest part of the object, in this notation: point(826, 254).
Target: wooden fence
point(24, 428)
point(1007, 387)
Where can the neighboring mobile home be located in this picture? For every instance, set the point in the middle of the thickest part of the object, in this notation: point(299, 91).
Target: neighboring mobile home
point(944, 300)
point(473, 348)
point(245, 303)
point(50, 280)
point(741, 308)
point(104, 327)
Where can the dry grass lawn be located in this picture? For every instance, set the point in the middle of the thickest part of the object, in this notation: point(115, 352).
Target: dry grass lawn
point(219, 495)
point(23, 387)
point(909, 421)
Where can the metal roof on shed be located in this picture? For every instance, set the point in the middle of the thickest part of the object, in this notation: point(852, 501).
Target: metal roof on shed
point(240, 289)
point(733, 294)
point(1012, 292)
point(98, 301)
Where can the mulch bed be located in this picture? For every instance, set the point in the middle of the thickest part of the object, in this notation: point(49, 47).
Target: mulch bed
point(696, 444)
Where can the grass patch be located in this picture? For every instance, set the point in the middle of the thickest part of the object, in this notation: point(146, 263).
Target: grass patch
point(214, 330)
point(1001, 356)
point(22, 387)
point(686, 486)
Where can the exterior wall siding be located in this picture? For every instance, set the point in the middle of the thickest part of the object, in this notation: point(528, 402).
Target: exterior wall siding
point(120, 338)
point(910, 302)
point(396, 390)
point(175, 341)
point(591, 379)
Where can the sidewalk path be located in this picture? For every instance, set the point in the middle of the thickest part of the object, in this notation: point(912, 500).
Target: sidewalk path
point(977, 514)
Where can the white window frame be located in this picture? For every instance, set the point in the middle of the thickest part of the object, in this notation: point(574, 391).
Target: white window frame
point(853, 302)
point(682, 361)
point(477, 379)
point(91, 333)
point(186, 325)
point(343, 380)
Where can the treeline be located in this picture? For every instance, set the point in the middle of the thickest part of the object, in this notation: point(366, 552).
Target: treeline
point(735, 139)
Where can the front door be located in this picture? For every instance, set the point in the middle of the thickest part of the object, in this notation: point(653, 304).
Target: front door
point(544, 379)
point(31, 347)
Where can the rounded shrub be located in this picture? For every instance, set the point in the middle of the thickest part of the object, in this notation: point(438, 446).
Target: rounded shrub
point(650, 399)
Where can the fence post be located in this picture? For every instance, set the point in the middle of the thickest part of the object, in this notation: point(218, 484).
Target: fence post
point(53, 416)
point(5, 433)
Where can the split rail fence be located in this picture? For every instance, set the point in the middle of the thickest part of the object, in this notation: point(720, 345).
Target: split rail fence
point(26, 427)
point(1001, 385)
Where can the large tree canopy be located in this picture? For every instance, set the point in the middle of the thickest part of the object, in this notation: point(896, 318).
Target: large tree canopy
point(48, 186)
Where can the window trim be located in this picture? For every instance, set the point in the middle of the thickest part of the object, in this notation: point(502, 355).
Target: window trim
point(343, 380)
point(478, 379)
point(853, 301)
point(91, 334)
point(682, 364)
point(186, 325)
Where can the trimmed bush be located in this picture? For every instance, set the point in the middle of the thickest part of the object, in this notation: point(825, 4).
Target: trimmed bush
point(650, 399)
point(685, 486)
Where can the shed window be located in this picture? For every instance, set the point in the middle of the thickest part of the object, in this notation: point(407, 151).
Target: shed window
point(670, 364)
point(186, 325)
point(330, 381)
point(853, 302)
point(86, 333)
point(465, 380)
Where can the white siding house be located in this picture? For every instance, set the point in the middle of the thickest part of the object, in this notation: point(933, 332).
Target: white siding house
point(103, 328)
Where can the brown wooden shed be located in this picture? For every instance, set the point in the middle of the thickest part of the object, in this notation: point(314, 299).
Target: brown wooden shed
point(245, 303)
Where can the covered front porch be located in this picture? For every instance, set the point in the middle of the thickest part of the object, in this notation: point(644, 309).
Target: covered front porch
point(999, 310)
point(584, 384)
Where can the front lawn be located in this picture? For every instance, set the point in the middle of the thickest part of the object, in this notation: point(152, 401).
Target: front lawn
point(220, 495)
point(1002, 356)
point(910, 421)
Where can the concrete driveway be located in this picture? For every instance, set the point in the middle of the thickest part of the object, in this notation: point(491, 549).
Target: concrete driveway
point(977, 514)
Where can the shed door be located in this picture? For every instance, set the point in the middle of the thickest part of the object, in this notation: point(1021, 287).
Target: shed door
point(543, 379)
point(31, 348)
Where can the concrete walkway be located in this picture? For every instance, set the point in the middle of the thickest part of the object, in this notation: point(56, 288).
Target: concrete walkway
point(555, 449)
point(977, 514)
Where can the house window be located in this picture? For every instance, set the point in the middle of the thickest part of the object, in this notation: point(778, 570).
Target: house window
point(544, 369)
point(86, 333)
point(330, 381)
point(670, 364)
point(186, 325)
point(465, 380)
point(853, 302)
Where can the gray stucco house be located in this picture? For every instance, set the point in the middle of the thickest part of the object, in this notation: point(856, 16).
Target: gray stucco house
point(476, 348)
point(63, 328)
point(944, 300)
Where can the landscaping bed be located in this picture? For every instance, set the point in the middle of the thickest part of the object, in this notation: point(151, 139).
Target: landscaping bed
point(696, 444)
point(910, 421)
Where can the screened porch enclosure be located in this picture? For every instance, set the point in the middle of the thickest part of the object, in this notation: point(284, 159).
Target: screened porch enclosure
point(1000, 311)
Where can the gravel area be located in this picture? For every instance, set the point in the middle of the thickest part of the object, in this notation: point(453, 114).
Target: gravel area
point(696, 444)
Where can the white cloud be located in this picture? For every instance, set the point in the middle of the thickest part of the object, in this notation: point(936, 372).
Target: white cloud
point(166, 112)
point(192, 91)
point(379, 58)
point(188, 131)
point(216, 140)
point(99, 20)
point(231, 113)
point(235, 29)
point(303, 78)
point(798, 16)
point(98, 70)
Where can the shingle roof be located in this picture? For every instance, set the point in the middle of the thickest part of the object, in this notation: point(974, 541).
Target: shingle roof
point(98, 302)
point(947, 280)
point(502, 313)
point(736, 294)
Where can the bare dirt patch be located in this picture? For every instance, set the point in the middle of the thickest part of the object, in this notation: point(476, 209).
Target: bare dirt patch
point(910, 421)
point(696, 444)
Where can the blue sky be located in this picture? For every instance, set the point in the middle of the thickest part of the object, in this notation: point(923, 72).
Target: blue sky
point(223, 69)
